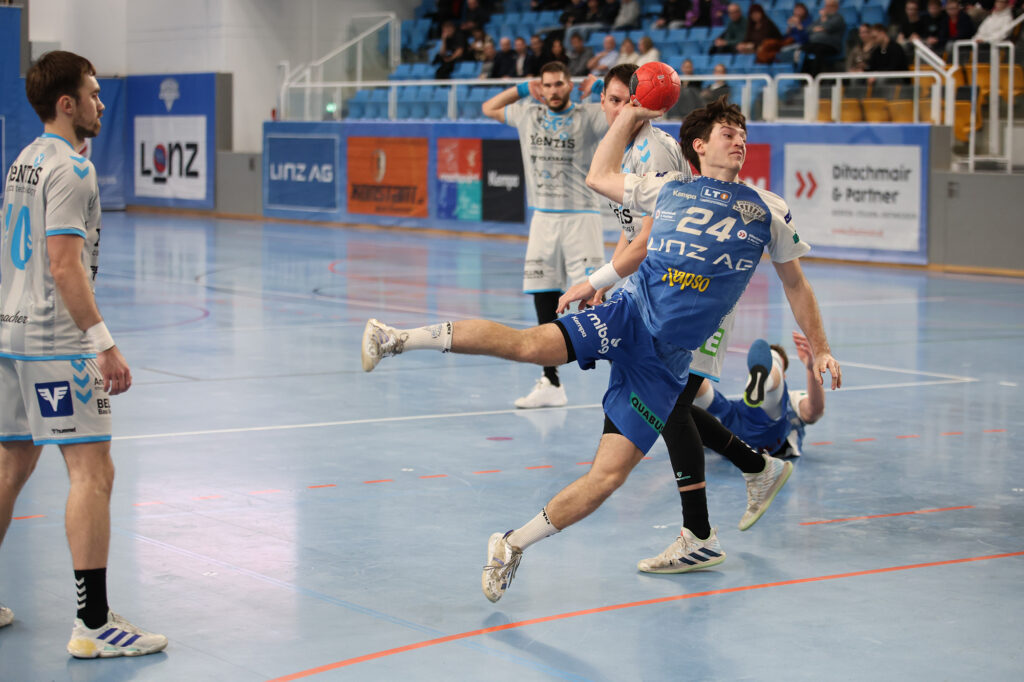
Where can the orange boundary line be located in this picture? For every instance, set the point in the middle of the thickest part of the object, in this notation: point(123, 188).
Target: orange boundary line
point(323, 485)
point(436, 476)
point(34, 516)
point(882, 516)
point(541, 466)
point(617, 607)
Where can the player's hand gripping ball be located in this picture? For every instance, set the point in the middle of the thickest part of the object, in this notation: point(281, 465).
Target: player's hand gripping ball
point(654, 86)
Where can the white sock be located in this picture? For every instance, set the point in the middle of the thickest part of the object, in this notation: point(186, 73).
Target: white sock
point(536, 529)
point(432, 337)
point(773, 389)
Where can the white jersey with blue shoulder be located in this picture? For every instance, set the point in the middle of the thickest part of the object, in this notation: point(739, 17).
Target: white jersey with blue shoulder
point(708, 236)
point(51, 190)
point(651, 151)
point(557, 149)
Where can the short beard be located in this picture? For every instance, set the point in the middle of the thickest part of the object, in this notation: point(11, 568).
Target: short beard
point(565, 103)
point(85, 133)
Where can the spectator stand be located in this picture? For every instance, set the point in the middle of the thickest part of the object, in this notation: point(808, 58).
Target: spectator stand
point(1002, 85)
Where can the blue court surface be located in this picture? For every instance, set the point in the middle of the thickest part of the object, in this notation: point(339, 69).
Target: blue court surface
point(280, 514)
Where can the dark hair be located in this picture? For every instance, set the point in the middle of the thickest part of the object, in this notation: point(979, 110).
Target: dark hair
point(782, 353)
point(620, 72)
point(699, 123)
point(56, 74)
point(556, 66)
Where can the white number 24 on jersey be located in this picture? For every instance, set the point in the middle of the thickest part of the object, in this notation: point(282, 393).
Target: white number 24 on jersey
point(699, 217)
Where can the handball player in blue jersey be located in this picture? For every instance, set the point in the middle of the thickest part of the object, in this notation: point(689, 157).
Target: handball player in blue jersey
point(707, 237)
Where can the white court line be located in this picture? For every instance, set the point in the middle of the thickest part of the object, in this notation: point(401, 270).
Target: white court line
point(457, 415)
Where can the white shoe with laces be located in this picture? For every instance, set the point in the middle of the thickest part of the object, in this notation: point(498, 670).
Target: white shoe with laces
point(116, 637)
point(380, 341)
point(686, 553)
point(502, 561)
point(6, 616)
point(763, 487)
point(544, 394)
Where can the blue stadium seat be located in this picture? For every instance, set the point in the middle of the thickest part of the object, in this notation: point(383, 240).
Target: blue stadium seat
point(423, 71)
point(702, 32)
point(402, 72)
point(780, 16)
point(873, 14)
point(851, 16)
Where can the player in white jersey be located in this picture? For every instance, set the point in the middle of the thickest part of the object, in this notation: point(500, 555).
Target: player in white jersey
point(648, 330)
point(58, 363)
point(557, 139)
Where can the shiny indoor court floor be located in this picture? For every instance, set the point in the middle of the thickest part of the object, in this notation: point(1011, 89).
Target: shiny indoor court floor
point(280, 514)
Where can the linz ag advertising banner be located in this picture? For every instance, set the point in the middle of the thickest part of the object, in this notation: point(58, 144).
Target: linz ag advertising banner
point(171, 122)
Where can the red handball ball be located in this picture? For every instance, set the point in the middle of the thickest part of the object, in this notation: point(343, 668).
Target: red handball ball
point(654, 86)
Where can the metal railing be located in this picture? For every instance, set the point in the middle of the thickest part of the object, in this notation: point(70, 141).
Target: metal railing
point(837, 92)
point(309, 77)
point(995, 77)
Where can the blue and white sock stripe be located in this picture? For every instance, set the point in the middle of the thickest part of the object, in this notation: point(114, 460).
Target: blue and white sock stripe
point(118, 635)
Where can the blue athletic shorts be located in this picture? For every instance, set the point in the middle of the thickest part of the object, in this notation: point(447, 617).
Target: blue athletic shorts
point(642, 390)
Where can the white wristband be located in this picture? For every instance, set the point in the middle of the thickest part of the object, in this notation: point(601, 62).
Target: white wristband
point(604, 276)
point(99, 337)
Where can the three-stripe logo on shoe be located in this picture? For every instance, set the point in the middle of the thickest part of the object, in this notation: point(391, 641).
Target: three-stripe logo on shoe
point(80, 587)
point(702, 556)
point(115, 636)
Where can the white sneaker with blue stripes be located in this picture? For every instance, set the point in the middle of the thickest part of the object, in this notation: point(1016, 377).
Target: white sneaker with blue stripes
point(116, 637)
point(686, 553)
point(6, 616)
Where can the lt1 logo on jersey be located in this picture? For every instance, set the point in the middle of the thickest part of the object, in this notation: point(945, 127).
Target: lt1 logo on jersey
point(55, 399)
point(715, 196)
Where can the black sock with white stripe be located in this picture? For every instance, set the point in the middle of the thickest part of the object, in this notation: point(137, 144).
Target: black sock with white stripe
point(91, 586)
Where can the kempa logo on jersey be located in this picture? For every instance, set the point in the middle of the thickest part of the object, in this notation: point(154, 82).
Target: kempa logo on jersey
point(715, 196)
point(749, 211)
point(602, 333)
point(506, 182)
point(55, 399)
point(302, 172)
point(653, 420)
point(684, 195)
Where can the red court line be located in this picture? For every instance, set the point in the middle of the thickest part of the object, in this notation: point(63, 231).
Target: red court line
point(862, 440)
point(435, 476)
point(994, 431)
point(541, 466)
point(34, 516)
point(324, 485)
point(146, 504)
point(953, 433)
point(583, 464)
point(882, 516)
point(488, 471)
point(618, 607)
point(207, 497)
point(823, 442)
point(909, 435)
point(381, 480)
point(264, 492)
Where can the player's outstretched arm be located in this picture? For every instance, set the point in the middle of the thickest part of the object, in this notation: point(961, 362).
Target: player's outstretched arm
point(495, 106)
point(812, 407)
point(72, 282)
point(805, 309)
point(605, 175)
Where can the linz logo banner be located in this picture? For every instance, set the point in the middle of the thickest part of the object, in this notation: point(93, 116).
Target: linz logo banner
point(170, 157)
point(301, 172)
point(503, 183)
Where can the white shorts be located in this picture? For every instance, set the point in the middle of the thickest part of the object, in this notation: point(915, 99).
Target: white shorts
point(53, 401)
point(564, 248)
point(709, 358)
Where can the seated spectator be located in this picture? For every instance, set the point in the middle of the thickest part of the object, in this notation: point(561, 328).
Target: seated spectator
point(958, 25)
point(579, 56)
point(573, 14)
point(825, 41)
point(609, 12)
point(555, 53)
point(734, 31)
point(488, 58)
point(858, 47)
point(525, 63)
point(477, 40)
point(505, 61)
point(476, 17)
point(453, 47)
point(996, 26)
point(592, 18)
point(689, 94)
point(716, 89)
point(885, 54)
point(627, 53)
point(628, 16)
point(706, 13)
point(935, 27)
point(797, 27)
point(605, 59)
point(911, 26)
point(648, 52)
point(538, 49)
point(444, 10)
point(673, 14)
point(759, 29)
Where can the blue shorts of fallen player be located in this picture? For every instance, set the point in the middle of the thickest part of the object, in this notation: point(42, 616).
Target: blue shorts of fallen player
point(642, 389)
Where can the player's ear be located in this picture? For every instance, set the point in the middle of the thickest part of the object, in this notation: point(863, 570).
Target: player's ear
point(698, 146)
